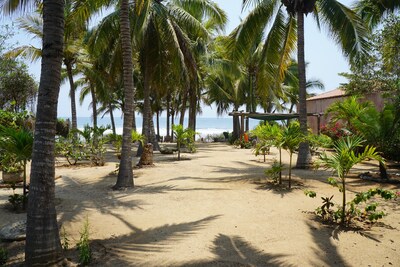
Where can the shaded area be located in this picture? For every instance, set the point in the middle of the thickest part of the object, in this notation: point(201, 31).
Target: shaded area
point(326, 251)
point(130, 249)
point(235, 251)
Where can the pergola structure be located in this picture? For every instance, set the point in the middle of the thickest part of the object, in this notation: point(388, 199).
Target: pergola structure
point(270, 117)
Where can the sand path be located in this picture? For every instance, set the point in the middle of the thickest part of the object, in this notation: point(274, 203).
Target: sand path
point(214, 209)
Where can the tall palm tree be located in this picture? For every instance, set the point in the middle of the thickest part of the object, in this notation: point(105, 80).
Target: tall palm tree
point(343, 24)
point(125, 173)
point(43, 246)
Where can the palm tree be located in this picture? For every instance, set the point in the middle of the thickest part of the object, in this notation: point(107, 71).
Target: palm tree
point(125, 173)
point(43, 246)
point(343, 159)
point(374, 11)
point(290, 140)
point(343, 24)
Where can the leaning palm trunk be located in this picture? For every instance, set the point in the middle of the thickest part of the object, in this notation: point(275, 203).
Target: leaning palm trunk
point(304, 157)
point(125, 175)
point(43, 245)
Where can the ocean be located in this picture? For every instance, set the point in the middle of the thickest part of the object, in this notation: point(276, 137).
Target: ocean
point(206, 127)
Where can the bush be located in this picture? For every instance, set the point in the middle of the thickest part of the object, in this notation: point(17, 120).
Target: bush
point(62, 128)
point(83, 246)
point(3, 256)
point(71, 148)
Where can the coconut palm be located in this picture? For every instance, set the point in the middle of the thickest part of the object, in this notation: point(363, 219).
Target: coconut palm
point(374, 11)
point(125, 173)
point(342, 161)
point(343, 24)
point(43, 245)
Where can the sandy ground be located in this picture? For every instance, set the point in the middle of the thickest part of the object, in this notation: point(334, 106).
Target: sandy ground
point(214, 208)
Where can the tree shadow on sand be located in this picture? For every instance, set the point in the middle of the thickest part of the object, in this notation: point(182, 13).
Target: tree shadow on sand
point(235, 251)
point(132, 249)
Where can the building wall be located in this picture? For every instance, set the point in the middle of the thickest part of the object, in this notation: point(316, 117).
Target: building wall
point(318, 106)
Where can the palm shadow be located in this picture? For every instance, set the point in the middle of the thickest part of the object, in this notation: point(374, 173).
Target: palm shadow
point(235, 251)
point(131, 249)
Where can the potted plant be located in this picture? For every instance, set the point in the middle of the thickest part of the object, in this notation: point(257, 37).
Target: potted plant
point(16, 144)
point(12, 169)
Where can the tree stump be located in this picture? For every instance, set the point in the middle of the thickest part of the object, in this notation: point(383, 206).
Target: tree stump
point(147, 156)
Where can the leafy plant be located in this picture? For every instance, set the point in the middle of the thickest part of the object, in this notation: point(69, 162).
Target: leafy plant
point(137, 137)
point(71, 148)
point(290, 141)
point(64, 239)
point(17, 143)
point(367, 212)
point(342, 160)
point(183, 137)
point(275, 171)
point(17, 201)
point(3, 256)
point(83, 246)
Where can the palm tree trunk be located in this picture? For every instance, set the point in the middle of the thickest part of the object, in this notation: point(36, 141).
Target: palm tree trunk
point(72, 94)
point(280, 165)
point(146, 110)
point(168, 115)
point(125, 174)
point(290, 169)
point(344, 201)
point(192, 108)
point(43, 246)
point(382, 171)
point(183, 107)
point(158, 125)
point(172, 124)
point(134, 121)
point(112, 119)
point(94, 106)
point(304, 157)
point(153, 137)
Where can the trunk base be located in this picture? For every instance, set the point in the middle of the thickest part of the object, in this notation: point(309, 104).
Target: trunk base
point(304, 159)
point(146, 158)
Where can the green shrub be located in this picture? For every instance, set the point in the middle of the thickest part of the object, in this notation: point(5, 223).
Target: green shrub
point(83, 246)
point(3, 256)
point(71, 148)
point(275, 171)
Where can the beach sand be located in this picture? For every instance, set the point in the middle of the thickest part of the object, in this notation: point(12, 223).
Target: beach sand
point(213, 208)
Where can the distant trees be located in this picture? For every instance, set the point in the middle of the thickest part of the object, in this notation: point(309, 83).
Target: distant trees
point(18, 89)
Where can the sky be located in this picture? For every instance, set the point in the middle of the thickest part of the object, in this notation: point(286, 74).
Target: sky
point(325, 60)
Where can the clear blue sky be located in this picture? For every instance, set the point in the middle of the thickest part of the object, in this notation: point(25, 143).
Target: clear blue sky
point(323, 55)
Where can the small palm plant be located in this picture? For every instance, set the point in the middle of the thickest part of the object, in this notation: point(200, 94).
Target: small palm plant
point(182, 137)
point(342, 161)
point(290, 141)
point(264, 139)
point(17, 143)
